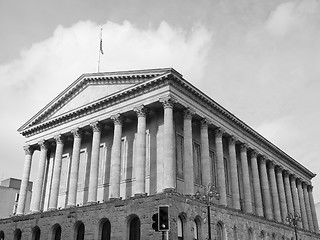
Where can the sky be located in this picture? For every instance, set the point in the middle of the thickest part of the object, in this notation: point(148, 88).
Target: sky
point(258, 59)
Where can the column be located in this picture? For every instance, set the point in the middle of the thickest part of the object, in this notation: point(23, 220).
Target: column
point(74, 173)
point(114, 191)
point(274, 191)
point(295, 197)
point(313, 209)
point(288, 192)
point(205, 157)
point(25, 180)
point(188, 152)
point(245, 179)
point(302, 205)
point(169, 165)
point(234, 173)
point(140, 159)
point(308, 208)
point(282, 196)
point(94, 166)
point(53, 202)
point(265, 189)
point(37, 193)
point(256, 183)
point(220, 167)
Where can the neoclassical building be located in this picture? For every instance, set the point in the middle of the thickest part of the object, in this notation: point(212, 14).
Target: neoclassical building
point(116, 145)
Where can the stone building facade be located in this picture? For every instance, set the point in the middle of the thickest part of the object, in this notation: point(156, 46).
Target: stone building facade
point(114, 146)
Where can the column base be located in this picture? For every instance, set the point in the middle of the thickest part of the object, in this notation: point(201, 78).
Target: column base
point(36, 211)
point(140, 195)
point(169, 190)
point(52, 209)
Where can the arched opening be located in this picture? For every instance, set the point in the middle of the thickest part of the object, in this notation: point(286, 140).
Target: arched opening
point(17, 234)
point(195, 231)
point(79, 231)
point(56, 232)
point(1, 235)
point(220, 231)
point(180, 228)
point(36, 233)
point(262, 235)
point(134, 228)
point(235, 234)
point(273, 236)
point(104, 230)
point(250, 234)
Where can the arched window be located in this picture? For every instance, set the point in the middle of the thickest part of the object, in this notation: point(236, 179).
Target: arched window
point(17, 234)
point(262, 235)
point(195, 231)
point(220, 231)
point(56, 232)
point(273, 236)
point(104, 229)
point(79, 231)
point(1, 235)
point(250, 234)
point(134, 228)
point(235, 234)
point(180, 228)
point(36, 233)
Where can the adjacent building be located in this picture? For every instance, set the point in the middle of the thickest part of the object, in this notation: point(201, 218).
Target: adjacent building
point(9, 196)
point(114, 146)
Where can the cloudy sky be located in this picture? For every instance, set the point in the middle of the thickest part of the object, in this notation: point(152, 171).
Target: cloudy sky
point(258, 59)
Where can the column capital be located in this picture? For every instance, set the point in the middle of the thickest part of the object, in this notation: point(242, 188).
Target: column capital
point(310, 188)
point(254, 153)
point(232, 139)
point(76, 132)
point(243, 147)
point(304, 184)
point(188, 113)
point(59, 138)
point(117, 119)
point(219, 132)
point(279, 168)
point(271, 164)
point(168, 101)
point(141, 110)
point(43, 144)
point(299, 181)
point(263, 159)
point(292, 176)
point(204, 123)
point(28, 149)
point(96, 126)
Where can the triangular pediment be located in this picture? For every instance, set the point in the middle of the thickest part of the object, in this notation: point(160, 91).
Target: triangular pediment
point(89, 88)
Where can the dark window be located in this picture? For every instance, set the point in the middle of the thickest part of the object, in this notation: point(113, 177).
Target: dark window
point(197, 163)
point(180, 228)
point(1, 235)
point(56, 232)
point(105, 229)
point(213, 169)
point(227, 176)
point(80, 231)
point(134, 232)
point(220, 231)
point(36, 233)
point(17, 234)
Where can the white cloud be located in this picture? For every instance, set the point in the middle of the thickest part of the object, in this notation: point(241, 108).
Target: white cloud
point(46, 68)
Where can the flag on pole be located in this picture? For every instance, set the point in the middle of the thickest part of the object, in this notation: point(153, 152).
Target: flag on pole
point(101, 50)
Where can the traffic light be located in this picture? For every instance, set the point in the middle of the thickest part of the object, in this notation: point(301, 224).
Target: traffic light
point(155, 218)
point(164, 218)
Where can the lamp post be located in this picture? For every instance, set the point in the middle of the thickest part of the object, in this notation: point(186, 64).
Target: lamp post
point(294, 219)
point(207, 196)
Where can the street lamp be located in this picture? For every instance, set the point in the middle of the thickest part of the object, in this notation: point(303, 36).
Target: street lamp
point(207, 197)
point(294, 219)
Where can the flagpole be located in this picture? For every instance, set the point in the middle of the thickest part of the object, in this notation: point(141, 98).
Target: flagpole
point(100, 49)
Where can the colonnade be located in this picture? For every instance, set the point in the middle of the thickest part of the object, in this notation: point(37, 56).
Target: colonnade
point(276, 191)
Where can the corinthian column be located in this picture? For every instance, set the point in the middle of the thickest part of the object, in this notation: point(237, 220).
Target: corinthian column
point(256, 183)
point(245, 179)
point(282, 196)
point(94, 166)
point(169, 165)
point(308, 208)
point(295, 197)
point(36, 196)
point(302, 205)
point(56, 172)
point(25, 180)
point(288, 192)
point(115, 158)
point(274, 191)
point(74, 173)
point(188, 152)
point(313, 210)
point(265, 189)
point(205, 158)
point(234, 173)
point(220, 167)
point(140, 160)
